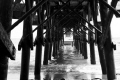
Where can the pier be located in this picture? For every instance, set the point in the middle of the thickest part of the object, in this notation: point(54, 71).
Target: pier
point(87, 21)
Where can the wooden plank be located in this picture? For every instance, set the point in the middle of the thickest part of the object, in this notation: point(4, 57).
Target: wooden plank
point(7, 46)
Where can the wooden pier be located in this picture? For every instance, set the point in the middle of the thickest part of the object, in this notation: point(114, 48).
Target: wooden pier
point(57, 18)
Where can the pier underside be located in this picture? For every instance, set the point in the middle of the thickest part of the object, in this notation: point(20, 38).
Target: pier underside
point(88, 21)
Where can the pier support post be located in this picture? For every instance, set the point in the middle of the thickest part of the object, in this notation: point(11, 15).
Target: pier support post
point(38, 43)
point(85, 47)
point(92, 50)
point(46, 53)
point(5, 19)
point(80, 45)
point(111, 73)
point(47, 42)
point(54, 49)
point(84, 41)
point(106, 17)
point(50, 52)
point(26, 44)
point(50, 23)
point(54, 39)
point(101, 52)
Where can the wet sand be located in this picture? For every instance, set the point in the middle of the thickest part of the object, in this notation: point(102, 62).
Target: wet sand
point(70, 65)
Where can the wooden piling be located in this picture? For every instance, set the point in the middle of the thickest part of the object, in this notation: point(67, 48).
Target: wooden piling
point(46, 54)
point(5, 19)
point(26, 44)
point(54, 39)
point(106, 18)
point(102, 59)
point(85, 48)
point(50, 52)
point(38, 43)
point(80, 46)
point(54, 49)
point(101, 51)
point(50, 31)
point(84, 42)
point(92, 50)
point(47, 44)
point(111, 73)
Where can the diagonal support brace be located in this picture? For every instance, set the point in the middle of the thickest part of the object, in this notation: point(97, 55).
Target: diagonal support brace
point(26, 15)
point(111, 7)
point(82, 18)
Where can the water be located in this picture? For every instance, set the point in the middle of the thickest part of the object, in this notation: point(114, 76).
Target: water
point(70, 65)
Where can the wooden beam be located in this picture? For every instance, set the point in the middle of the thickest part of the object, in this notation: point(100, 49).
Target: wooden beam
point(6, 44)
point(5, 19)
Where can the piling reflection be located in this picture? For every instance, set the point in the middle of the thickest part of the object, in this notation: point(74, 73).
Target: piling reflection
point(37, 77)
point(58, 76)
point(68, 66)
point(47, 77)
point(73, 76)
point(74, 67)
point(60, 59)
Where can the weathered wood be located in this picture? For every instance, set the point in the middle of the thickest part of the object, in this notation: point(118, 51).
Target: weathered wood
point(81, 17)
point(50, 23)
point(6, 44)
point(39, 43)
point(27, 44)
point(50, 52)
point(98, 36)
point(46, 54)
point(101, 52)
point(92, 49)
point(47, 44)
point(26, 15)
point(5, 20)
point(85, 47)
point(54, 50)
point(80, 45)
point(106, 20)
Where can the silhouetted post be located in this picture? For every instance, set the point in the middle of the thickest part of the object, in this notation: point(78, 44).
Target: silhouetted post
point(85, 46)
point(50, 33)
point(84, 40)
point(101, 52)
point(80, 46)
point(57, 38)
point(47, 44)
point(53, 39)
point(79, 43)
point(38, 43)
point(54, 49)
point(92, 50)
point(75, 38)
point(108, 46)
point(50, 54)
point(60, 38)
point(46, 53)
point(26, 44)
point(94, 6)
point(5, 19)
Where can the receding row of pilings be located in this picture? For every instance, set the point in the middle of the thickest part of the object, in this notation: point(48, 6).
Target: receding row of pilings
point(54, 36)
point(52, 41)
